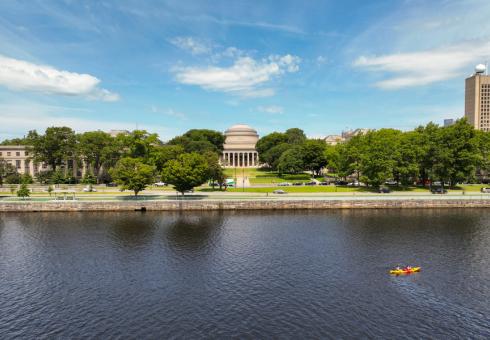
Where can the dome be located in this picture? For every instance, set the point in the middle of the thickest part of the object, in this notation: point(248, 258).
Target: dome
point(240, 128)
point(240, 137)
point(480, 68)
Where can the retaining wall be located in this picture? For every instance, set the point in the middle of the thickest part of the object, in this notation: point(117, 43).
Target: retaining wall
point(239, 205)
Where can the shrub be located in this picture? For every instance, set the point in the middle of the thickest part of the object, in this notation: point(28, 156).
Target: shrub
point(23, 191)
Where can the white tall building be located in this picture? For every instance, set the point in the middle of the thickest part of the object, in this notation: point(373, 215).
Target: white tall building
point(477, 99)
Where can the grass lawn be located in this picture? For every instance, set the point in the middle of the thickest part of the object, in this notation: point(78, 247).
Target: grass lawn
point(305, 189)
point(273, 180)
point(471, 187)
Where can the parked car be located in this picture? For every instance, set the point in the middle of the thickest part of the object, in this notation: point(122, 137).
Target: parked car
point(354, 184)
point(384, 190)
point(485, 190)
point(310, 183)
point(111, 185)
point(284, 184)
point(160, 184)
point(324, 183)
point(391, 182)
point(438, 190)
point(89, 188)
point(279, 192)
point(341, 183)
point(298, 183)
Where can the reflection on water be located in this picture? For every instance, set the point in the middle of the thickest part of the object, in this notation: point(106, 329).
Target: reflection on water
point(257, 274)
point(192, 232)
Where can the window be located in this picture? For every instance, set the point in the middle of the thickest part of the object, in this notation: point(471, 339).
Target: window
point(17, 164)
point(17, 153)
point(0, 153)
point(8, 153)
point(27, 153)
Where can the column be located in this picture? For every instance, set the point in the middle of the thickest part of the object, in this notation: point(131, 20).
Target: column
point(250, 159)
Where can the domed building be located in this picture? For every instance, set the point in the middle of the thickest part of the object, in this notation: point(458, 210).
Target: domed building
point(239, 147)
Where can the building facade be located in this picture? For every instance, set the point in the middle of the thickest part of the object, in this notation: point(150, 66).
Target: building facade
point(333, 139)
point(477, 99)
point(448, 122)
point(239, 147)
point(20, 158)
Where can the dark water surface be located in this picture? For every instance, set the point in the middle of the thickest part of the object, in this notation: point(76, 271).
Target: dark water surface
point(292, 274)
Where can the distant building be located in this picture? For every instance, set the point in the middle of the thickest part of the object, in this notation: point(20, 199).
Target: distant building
point(239, 147)
point(19, 156)
point(477, 99)
point(333, 139)
point(448, 122)
point(346, 135)
point(114, 133)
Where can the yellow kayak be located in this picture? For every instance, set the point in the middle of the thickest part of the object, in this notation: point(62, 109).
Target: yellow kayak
point(404, 271)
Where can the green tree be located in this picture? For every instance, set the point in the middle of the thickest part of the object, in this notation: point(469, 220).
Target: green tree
point(313, 155)
point(57, 145)
point(137, 144)
point(332, 156)
point(269, 141)
point(26, 178)
point(23, 191)
point(92, 147)
point(44, 177)
point(6, 170)
point(200, 141)
point(456, 156)
point(349, 161)
point(378, 156)
point(295, 136)
point(186, 172)
point(215, 170)
point(410, 154)
point(291, 161)
point(13, 178)
point(271, 156)
point(132, 174)
point(162, 154)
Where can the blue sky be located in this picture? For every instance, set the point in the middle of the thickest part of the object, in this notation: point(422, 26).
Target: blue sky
point(169, 66)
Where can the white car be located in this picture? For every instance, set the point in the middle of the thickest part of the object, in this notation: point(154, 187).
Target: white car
point(160, 184)
point(284, 184)
point(279, 192)
point(89, 189)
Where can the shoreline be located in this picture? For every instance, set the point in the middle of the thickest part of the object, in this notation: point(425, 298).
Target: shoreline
point(243, 204)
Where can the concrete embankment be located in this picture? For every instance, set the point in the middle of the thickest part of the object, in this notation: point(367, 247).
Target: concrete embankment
point(240, 204)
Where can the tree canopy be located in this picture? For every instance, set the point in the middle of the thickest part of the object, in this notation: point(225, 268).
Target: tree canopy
point(132, 174)
point(186, 172)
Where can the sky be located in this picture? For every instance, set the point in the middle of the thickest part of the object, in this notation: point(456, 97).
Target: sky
point(170, 66)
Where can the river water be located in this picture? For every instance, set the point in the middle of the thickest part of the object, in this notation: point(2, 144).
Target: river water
point(258, 274)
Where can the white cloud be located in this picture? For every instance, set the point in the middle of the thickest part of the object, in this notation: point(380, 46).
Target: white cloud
point(320, 60)
point(169, 112)
point(273, 109)
point(191, 45)
point(21, 75)
point(18, 119)
point(426, 67)
point(245, 77)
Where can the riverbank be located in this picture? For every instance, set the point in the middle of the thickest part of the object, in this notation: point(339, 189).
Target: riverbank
point(197, 203)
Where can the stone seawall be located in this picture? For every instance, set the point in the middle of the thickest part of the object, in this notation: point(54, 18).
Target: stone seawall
point(240, 205)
